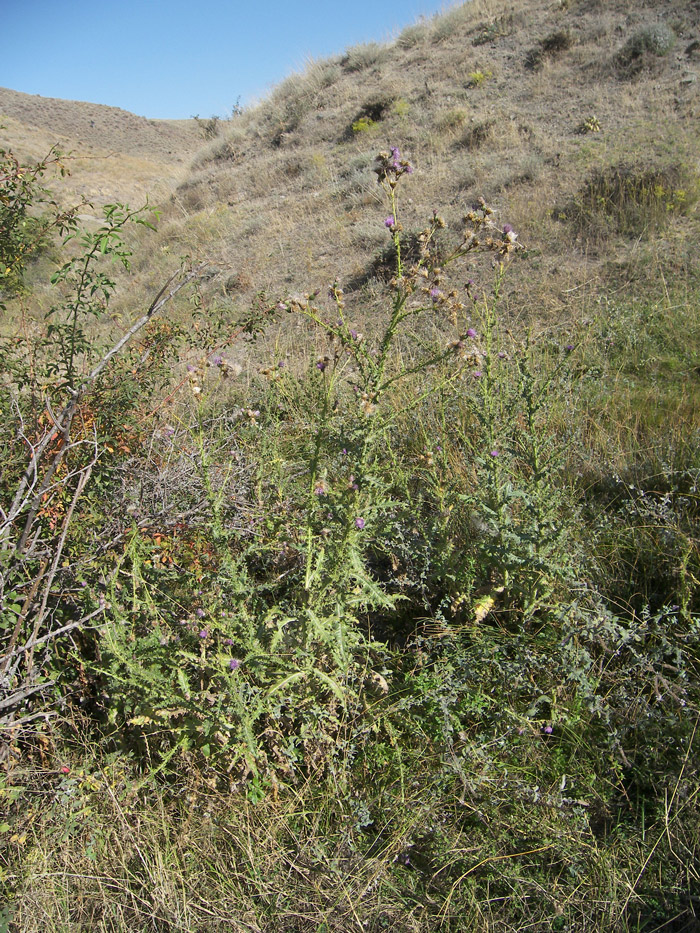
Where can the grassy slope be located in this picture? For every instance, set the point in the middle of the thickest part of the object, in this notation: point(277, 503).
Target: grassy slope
point(287, 196)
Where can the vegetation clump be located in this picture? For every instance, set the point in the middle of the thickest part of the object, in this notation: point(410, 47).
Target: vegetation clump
point(644, 49)
point(632, 200)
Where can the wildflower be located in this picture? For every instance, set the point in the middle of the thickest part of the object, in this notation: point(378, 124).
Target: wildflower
point(569, 347)
point(495, 453)
point(216, 360)
point(359, 523)
point(390, 221)
point(435, 294)
point(65, 769)
point(234, 664)
point(477, 374)
point(547, 730)
point(472, 333)
point(321, 365)
point(204, 633)
point(200, 613)
point(320, 490)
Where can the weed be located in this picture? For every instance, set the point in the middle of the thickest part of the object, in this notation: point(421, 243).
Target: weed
point(477, 78)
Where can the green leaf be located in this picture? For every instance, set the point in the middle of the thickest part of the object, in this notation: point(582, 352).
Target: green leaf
point(182, 681)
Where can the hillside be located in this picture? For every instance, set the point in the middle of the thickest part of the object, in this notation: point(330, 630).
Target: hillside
point(112, 154)
point(550, 111)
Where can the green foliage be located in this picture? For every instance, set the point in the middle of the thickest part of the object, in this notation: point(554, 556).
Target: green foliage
point(63, 418)
point(23, 230)
point(589, 125)
point(363, 125)
point(477, 78)
point(88, 289)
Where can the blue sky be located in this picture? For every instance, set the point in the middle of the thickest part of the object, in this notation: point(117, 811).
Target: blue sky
point(175, 59)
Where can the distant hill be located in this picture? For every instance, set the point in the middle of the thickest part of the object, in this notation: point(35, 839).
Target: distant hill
point(115, 154)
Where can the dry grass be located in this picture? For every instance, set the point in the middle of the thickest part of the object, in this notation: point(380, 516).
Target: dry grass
point(292, 172)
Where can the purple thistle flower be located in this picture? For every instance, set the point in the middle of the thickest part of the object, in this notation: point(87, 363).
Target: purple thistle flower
point(472, 333)
point(216, 360)
point(360, 523)
point(321, 365)
point(200, 613)
point(204, 633)
point(569, 347)
point(478, 374)
point(435, 293)
point(234, 664)
point(507, 228)
point(495, 453)
point(390, 221)
point(547, 730)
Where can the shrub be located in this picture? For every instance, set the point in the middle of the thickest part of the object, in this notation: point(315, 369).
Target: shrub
point(208, 128)
point(55, 450)
point(411, 36)
point(360, 57)
point(550, 47)
point(656, 40)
